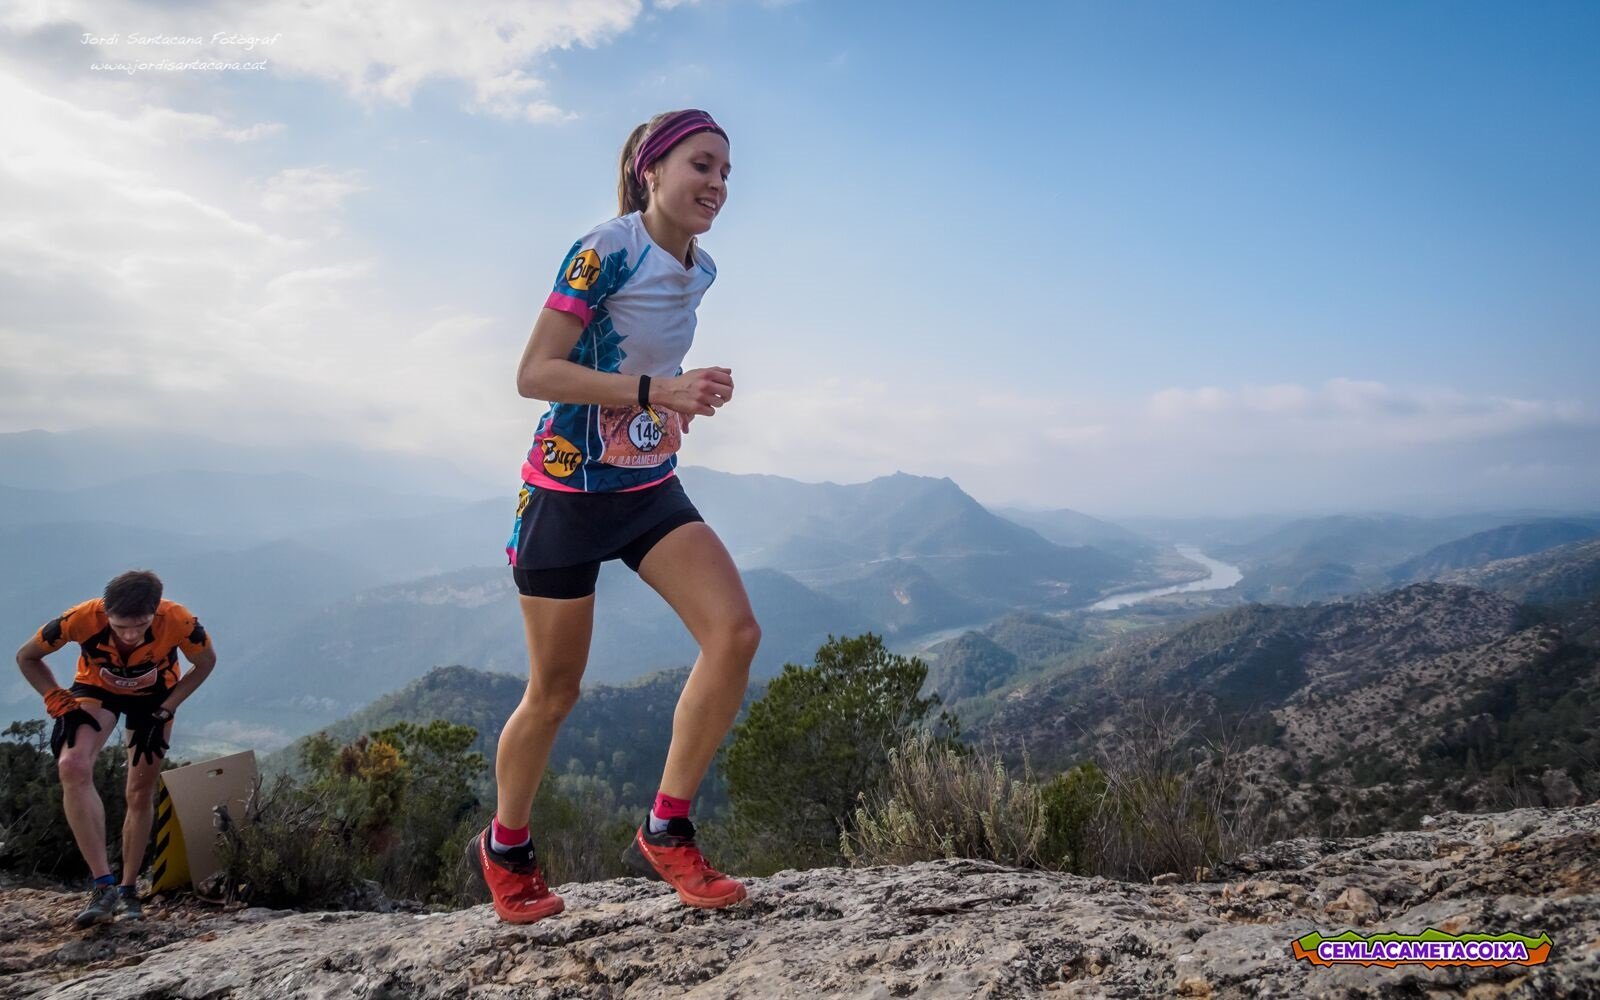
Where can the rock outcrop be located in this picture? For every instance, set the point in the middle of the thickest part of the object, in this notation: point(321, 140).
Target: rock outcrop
point(937, 929)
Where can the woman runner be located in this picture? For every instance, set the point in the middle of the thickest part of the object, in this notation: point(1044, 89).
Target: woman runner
point(599, 483)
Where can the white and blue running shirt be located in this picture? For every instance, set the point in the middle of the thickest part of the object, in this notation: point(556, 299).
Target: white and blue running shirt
point(638, 309)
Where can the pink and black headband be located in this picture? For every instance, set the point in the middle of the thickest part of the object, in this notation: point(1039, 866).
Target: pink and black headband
point(668, 133)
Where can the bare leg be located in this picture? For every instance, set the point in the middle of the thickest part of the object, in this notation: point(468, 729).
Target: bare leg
point(558, 650)
point(141, 813)
point(86, 814)
point(693, 571)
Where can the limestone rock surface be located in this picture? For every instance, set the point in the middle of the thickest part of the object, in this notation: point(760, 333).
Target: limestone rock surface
point(936, 929)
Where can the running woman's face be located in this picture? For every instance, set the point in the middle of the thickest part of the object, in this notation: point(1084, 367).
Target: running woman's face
point(691, 182)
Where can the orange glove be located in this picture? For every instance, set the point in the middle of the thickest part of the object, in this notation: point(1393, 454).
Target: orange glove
point(59, 702)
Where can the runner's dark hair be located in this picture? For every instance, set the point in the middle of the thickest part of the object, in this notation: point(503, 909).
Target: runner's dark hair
point(133, 594)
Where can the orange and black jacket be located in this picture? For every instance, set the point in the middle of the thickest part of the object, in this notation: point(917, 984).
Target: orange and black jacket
point(102, 664)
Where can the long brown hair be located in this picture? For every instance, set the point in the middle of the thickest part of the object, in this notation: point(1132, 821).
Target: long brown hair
point(632, 196)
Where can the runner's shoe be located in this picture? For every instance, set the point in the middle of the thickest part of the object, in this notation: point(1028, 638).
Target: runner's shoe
point(672, 857)
point(517, 885)
point(101, 909)
point(132, 906)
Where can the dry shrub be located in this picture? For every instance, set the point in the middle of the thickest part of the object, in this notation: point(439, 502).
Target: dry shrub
point(946, 801)
point(289, 850)
point(1172, 803)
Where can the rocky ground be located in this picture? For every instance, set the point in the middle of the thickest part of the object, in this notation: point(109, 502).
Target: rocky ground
point(938, 929)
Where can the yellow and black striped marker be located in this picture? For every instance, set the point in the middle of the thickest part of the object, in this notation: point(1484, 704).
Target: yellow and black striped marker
point(171, 868)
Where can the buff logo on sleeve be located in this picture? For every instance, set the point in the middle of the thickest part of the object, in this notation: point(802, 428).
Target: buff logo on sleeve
point(583, 270)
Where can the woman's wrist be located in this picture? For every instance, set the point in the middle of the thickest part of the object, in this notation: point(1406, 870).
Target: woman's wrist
point(654, 391)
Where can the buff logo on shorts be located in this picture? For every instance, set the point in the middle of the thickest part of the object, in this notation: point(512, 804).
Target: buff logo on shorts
point(584, 269)
point(1431, 948)
point(522, 500)
point(560, 457)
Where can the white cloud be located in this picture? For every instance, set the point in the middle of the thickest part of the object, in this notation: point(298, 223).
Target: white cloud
point(309, 189)
point(145, 281)
point(150, 281)
point(151, 286)
point(1344, 414)
point(1174, 450)
point(379, 51)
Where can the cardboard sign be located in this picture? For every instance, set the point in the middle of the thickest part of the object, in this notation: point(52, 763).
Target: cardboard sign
point(186, 833)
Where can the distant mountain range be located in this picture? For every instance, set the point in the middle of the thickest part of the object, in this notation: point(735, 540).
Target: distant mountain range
point(1318, 559)
point(1354, 715)
point(351, 652)
point(589, 743)
point(839, 538)
point(1069, 528)
point(322, 593)
point(1362, 712)
point(1558, 576)
point(332, 578)
point(1504, 542)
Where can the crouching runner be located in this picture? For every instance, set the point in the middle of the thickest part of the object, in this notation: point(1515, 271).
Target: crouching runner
point(127, 666)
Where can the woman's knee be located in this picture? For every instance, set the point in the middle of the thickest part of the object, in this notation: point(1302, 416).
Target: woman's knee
point(739, 637)
point(551, 698)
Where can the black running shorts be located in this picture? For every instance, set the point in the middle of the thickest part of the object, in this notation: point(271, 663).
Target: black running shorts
point(560, 539)
point(133, 705)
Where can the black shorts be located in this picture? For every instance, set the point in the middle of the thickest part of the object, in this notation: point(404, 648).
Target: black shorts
point(117, 703)
point(560, 539)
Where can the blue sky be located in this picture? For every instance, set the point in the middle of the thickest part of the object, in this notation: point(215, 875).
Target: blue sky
point(1127, 258)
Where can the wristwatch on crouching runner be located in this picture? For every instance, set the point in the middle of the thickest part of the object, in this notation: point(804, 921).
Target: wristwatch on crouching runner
point(161, 714)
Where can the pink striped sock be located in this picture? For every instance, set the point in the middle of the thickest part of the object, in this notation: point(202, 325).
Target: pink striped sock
point(666, 808)
point(502, 838)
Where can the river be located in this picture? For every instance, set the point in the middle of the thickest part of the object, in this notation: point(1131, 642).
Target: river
point(1222, 576)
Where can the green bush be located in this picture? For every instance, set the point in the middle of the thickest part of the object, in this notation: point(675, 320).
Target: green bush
point(580, 829)
point(1071, 803)
point(35, 839)
point(817, 739)
point(388, 807)
point(398, 807)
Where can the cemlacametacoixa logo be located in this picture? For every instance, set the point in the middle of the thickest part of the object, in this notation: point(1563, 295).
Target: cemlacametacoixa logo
point(1430, 948)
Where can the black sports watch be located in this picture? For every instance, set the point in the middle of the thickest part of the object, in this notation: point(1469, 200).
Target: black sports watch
point(161, 714)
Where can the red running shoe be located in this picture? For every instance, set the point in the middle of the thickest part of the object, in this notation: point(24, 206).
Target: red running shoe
point(672, 857)
point(520, 895)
